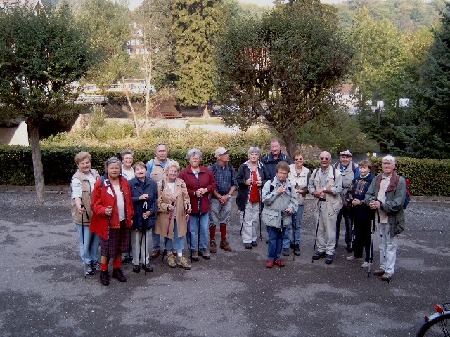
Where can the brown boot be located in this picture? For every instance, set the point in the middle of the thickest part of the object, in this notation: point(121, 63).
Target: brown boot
point(212, 247)
point(225, 245)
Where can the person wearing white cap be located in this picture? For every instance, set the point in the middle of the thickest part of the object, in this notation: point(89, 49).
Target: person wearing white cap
point(220, 213)
point(348, 169)
point(325, 184)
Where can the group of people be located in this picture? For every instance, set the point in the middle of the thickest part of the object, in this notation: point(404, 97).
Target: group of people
point(186, 206)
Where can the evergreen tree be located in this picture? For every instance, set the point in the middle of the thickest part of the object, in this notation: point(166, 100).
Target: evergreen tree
point(195, 27)
point(433, 99)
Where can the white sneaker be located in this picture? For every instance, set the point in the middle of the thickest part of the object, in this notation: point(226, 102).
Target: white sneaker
point(350, 257)
point(365, 264)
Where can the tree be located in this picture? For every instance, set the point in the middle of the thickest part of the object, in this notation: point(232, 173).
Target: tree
point(282, 67)
point(156, 60)
point(433, 94)
point(40, 55)
point(196, 24)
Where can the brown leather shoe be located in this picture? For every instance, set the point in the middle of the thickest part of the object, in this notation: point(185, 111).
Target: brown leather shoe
point(155, 253)
point(213, 247)
point(378, 272)
point(225, 245)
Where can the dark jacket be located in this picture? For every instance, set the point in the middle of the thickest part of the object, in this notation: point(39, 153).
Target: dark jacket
point(393, 206)
point(359, 189)
point(205, 180)
point(271, 163)
point(243, 174)
point(140, 206)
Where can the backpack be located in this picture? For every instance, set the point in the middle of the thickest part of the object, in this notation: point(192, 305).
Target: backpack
point(408, 185)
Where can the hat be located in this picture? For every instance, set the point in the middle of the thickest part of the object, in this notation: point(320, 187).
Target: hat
point(220, 151)
point(346, 153)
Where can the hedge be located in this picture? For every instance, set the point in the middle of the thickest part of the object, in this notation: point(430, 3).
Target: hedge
point(427, 176)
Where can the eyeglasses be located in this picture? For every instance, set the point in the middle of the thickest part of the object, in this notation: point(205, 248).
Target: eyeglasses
point(298, 159)
point(324, 158)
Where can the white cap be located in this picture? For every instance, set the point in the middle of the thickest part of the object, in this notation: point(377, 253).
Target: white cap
point(345, 153)
point(220, 151)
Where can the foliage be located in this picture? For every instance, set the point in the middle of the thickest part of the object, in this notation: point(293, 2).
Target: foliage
point(196, 25)
point(406, 15)
point(336, 131)
point(108, 26)
point(41, 53)
point(433, 95)
point(426, 175)
point(282, 67)
point(385, 68)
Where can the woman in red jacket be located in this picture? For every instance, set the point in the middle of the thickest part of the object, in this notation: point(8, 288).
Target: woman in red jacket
point(112, 208)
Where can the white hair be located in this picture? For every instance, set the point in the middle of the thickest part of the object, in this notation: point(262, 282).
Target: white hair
point(389, 158)
point(192, 152)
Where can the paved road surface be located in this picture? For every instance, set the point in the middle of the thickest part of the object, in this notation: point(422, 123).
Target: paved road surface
point(43, 292)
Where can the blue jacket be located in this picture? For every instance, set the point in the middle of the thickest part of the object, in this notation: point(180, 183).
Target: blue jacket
point(271, 163)
point(140, 206)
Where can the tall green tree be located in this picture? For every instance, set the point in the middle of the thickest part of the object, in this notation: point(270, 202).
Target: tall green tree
point(40, 55)
point(156, 60)
point(282, 67)
point(196, 24)
point(108, 24)
point(433, 94)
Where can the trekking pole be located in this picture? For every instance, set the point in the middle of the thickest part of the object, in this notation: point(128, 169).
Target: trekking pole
point(372, 231)
point(317, 229)
point(294, 222)
point(82, 236)
point(259, 213)
point(199, 204)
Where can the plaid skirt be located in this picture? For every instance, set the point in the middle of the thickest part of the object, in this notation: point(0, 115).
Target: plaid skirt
point(119, 242)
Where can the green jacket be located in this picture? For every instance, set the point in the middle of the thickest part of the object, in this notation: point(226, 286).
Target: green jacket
point(393, 206)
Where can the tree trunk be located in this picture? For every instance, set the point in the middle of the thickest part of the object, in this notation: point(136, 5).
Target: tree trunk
point(33, 137)
point(135, 120)
point(290, 139)
point(206, 112)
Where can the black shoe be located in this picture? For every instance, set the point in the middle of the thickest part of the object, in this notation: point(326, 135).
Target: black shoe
point(286, 252)
point(204, 253)
point(329, 259)
point(104, 278)
point(254, 244)
point(147, 268)
point(318, 255)
point(297, 250)
point(248, 245)
point(88, 270)
point(349, 249)
point(194, 255)
point(118, 275)
point(136, 268)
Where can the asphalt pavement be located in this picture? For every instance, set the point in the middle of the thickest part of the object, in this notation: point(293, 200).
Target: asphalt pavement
point(43, 291)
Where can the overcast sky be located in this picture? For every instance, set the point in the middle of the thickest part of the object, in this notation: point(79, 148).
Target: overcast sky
point(135, 3)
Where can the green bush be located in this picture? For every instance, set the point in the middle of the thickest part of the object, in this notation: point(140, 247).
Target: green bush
point(427, 176)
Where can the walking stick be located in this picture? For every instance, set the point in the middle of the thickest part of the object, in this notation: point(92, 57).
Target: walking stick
point(294, 222)
point(372, 231)
point(242, 222)
point(259, 213)
point(317, 229)
point(82, 236)
point(199, 204)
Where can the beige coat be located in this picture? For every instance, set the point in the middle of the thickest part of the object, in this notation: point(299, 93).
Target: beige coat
point(165, 219)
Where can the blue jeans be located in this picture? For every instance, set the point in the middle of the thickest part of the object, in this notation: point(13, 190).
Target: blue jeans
point(194, 221)
point(275, 242)
point(88, 245)
point(177, 242)
point(296, 228)
point(156, 240)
